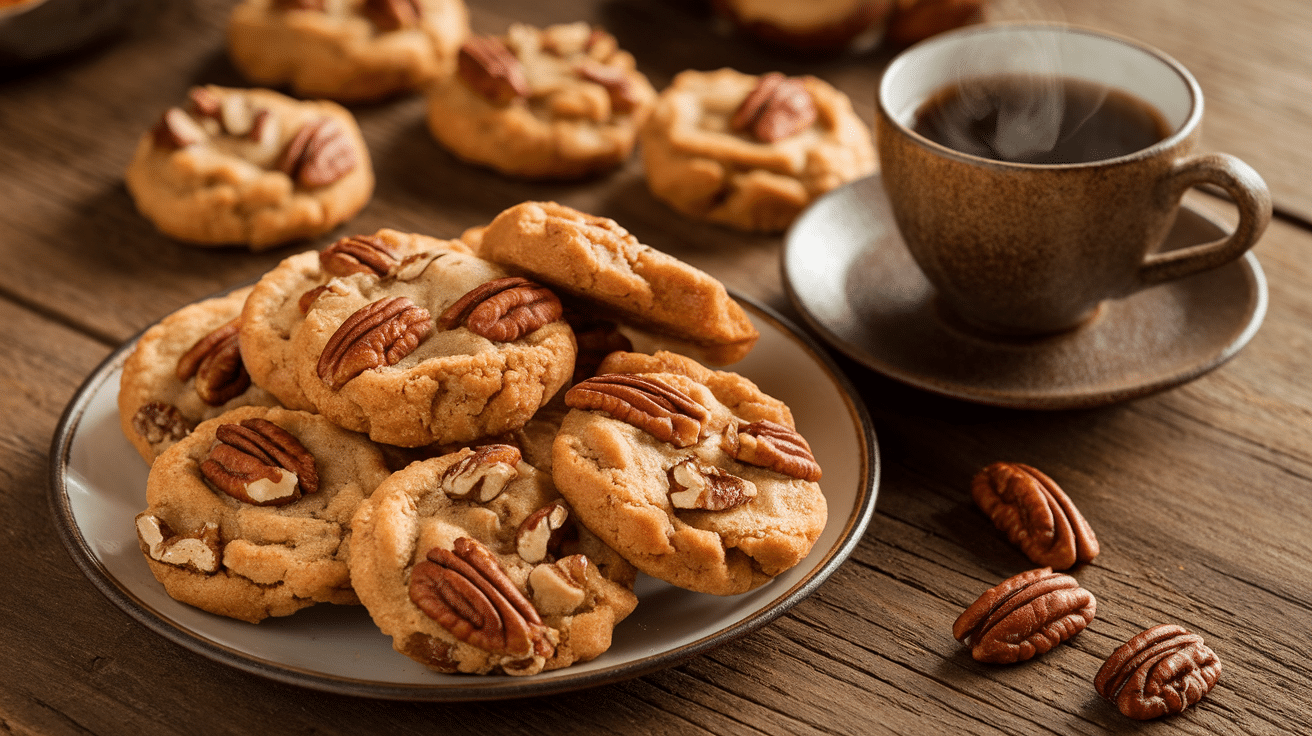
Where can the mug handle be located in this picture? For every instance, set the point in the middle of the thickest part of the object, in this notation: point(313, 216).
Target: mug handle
point(1249, 192)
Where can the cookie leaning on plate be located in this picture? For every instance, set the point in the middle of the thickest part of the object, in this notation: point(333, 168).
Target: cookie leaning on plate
point(694, 475)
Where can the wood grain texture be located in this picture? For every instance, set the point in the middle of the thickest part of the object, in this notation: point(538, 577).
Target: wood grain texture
point(1200, 496)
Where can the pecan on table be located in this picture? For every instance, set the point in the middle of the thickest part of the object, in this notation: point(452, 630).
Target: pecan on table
point(359, 254)
point(772, 445)
point(491, 70)
point(776, 108)
point(260, 463)
point(696, 485)
point(503, 310)
point(1161, 671)
point(393, 15)
point(482, 474)
point(1035, 514)
point(466, 591)
point(1025, 615)
point(319, 154)
point(647, 402)
point(215, 362)
point(378, 334)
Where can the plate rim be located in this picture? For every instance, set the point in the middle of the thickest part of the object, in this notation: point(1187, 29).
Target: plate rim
point(476, 689)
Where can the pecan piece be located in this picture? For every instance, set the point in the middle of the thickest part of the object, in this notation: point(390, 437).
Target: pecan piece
point(491, 70)
point(1025, 615)
point(319, 154)
point(560, 588)
point(623, 95)
point(467, 592)
point(503, 310)
point(393, 15)
point(1161, 671)
point(772, 445)
point(778, 107)
point(482, 474)
point(215, 361)
point(359, 254)
point(160, 422)
point(177, 129)
point(544, 532)
point(1035, 514)
point(198, 551)
point(696, 485)
point(647, 402)
point(260, 463)
point(204, 102)
point(378, 334)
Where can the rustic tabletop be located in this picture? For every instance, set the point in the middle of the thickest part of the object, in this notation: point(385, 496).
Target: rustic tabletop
point(1200, 495)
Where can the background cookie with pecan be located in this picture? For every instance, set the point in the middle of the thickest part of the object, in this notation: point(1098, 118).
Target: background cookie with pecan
point(472, 563)
point(346, 51)
point(250, 515)
point(693, 475)
point(183, 370)
point(751, 152)
point(554, 103)
point(250, 167)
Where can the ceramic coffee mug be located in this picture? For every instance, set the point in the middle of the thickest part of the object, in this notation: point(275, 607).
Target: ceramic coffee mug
point(1026, 248)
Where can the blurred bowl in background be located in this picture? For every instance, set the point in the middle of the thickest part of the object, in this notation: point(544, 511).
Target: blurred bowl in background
point(31, 30)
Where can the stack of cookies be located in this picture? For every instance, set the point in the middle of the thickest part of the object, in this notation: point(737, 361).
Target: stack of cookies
point(483, 440)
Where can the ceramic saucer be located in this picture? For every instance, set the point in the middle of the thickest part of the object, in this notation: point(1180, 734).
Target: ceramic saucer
point(849, 274)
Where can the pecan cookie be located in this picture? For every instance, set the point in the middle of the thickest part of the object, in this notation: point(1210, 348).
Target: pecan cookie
point(250, 167)
point(346, 51)
point(693, 475)
point(553, 103)
point(615, 277)
point(472, 563)
point(184, 369)
point(250, 515)
point(751, 152)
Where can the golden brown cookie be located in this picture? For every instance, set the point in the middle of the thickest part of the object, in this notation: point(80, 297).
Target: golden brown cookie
point(184, 369)
point(813, 26)
point(559, 102)
point(472, 563)
point(250, 167)
point(346, 50)
point(614, 277)
point(693, 475)
point(250, 515)
point(751, 152)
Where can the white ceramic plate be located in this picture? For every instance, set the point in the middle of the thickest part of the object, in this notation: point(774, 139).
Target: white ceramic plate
point(98, 486)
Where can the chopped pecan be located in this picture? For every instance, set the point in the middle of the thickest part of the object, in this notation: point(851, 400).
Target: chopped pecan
point(1161, 671)
point(503, 310)
point(236, 115)
point(696, 485)
point(544, 532)
point(308, 298)
point(393, 15)
point(430, 651)
point(319, 154)
point(560, 588)
point(621, 90)
point(1035, 514)
point(260, 463)
point(772, 445)
point(482, 473)
point(467, 592)
point(159, 422)
point(647, 402)
point(359, 254)
point(177, 129)
point(491, 70)
point(1025, 615)
point(204, 102)
point(778, 107)
point(264, 128)
point(215, 361)
point(378, 334)
point(198, 551)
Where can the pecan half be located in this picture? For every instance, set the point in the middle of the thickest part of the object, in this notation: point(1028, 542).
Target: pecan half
point(778, 107)
point(215, 361)
point(696, 485)
point(393, 15)
point(177, 129)
point(623, 94)
point(1035, 514)
point(378, 334)
point(260, 463)
point(159, 422)
point(646, 402)
point(544, 532)
point(772, 445)
point(491, 70)
point(503, 310)
point(466, 591)
point(198, 551)
point(319, 154)
point(1161, 671)
point(1025, 615)
point(482, 474)
point(359, 254)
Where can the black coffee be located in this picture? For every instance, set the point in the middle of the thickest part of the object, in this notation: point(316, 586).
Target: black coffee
point(1039, 120)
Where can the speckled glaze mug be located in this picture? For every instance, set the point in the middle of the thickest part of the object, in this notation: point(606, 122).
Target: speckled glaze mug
point(1030, 249)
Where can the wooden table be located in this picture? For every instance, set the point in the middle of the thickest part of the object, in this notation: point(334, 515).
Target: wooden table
point(1201, 496)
